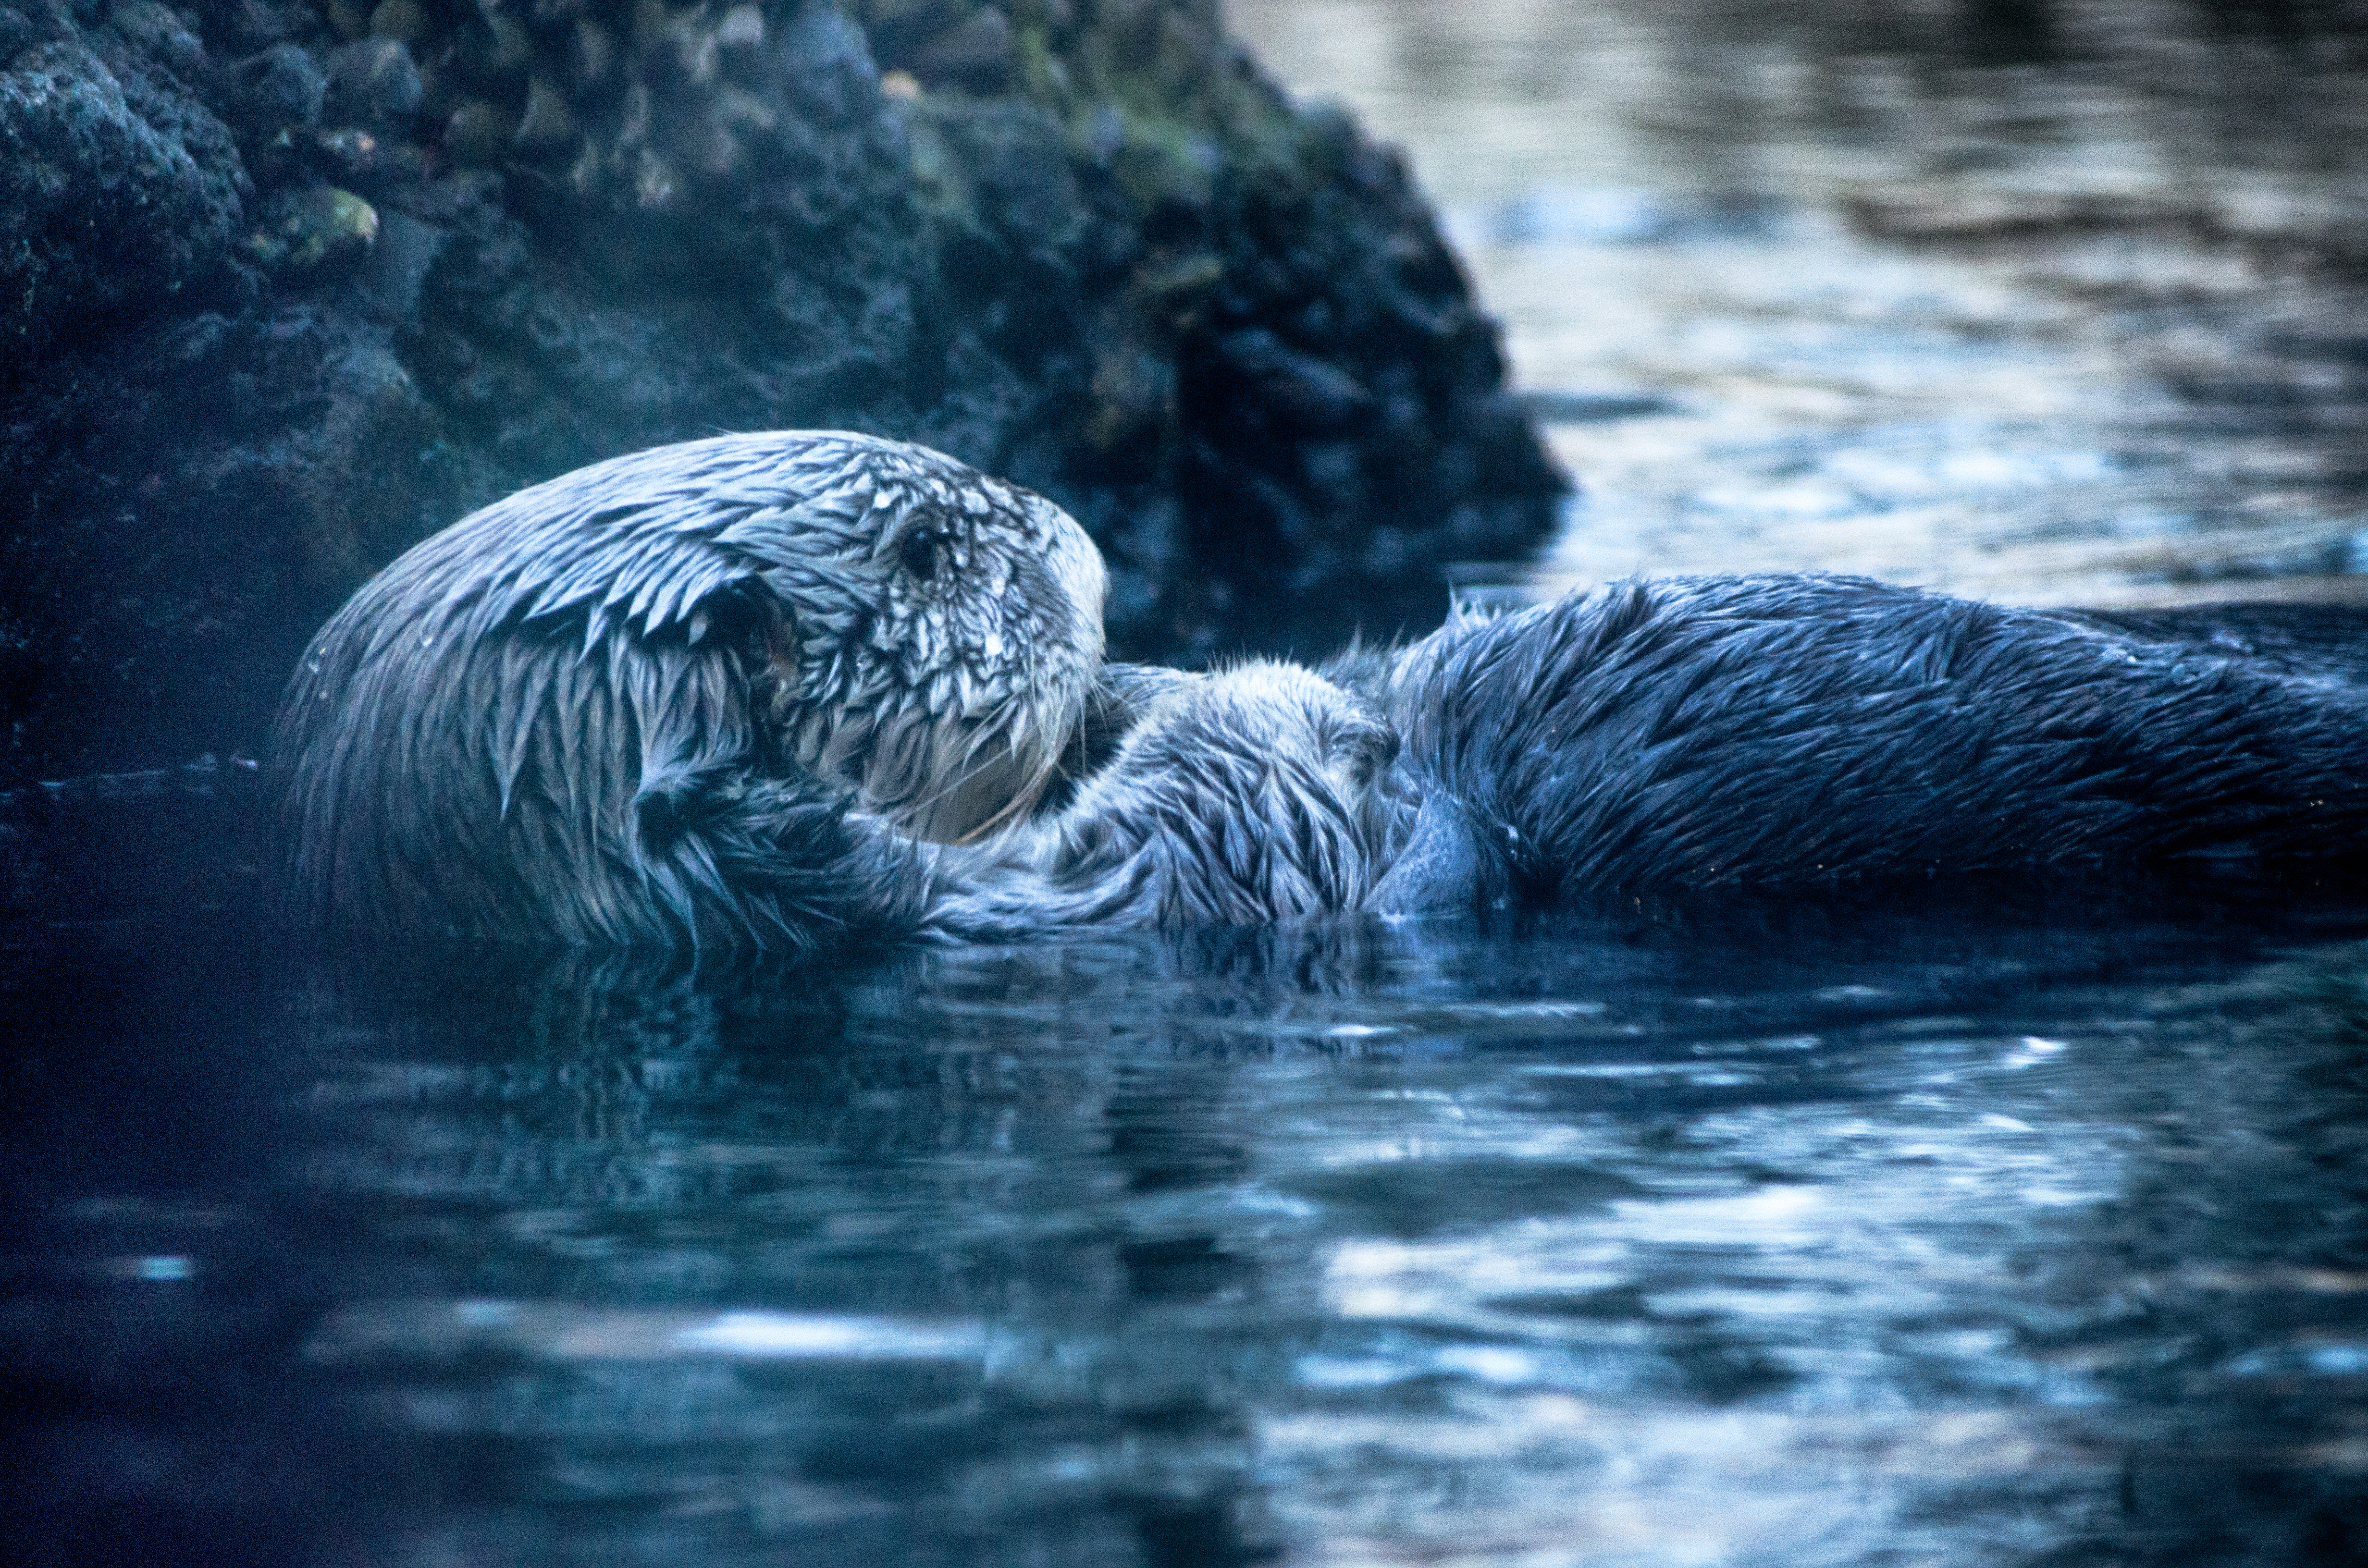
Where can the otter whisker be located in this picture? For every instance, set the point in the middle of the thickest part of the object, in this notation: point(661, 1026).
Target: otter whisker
point(967, 769)
point(1018, 806)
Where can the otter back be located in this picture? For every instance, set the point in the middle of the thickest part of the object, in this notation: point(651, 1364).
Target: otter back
point(1702, 734)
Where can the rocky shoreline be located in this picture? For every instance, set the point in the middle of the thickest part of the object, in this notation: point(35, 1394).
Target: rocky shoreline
point(284, 288)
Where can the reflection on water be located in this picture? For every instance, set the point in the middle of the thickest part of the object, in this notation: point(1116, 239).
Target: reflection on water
point(2049, 302)
point(1996, 1229)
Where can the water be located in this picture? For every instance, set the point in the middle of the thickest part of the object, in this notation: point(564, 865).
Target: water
point(1969, 1225)
point(1980, 1226)
point(2045, 303)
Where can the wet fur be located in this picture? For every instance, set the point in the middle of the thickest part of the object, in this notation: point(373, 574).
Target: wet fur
point(1656, 738)
point(1771, 731)
point(681, 698)
point(1253, 794)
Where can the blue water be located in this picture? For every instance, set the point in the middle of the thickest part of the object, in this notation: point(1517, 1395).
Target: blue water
point(1969, 1225)
point(2049, 302)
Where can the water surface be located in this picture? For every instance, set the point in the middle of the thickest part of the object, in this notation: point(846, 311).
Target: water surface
point(2050, 301)
point(1976, 1226)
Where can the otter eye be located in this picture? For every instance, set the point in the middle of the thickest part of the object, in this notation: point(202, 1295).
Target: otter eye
point(919, 554)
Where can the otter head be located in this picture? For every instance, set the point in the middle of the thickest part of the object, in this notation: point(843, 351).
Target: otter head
point(591, 710)
point(931, 633)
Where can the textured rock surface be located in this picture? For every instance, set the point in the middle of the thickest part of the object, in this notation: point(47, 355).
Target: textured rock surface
point(286, 286)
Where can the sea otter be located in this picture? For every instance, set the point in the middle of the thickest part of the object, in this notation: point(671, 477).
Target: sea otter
point(1730, 733)
point(1664, 737)
point(773, 691)
point(708, 694)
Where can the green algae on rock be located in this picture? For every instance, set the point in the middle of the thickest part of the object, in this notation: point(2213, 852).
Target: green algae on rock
point(439, 249)
point(321, 230)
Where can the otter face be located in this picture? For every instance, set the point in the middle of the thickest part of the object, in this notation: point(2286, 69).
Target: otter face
point(936, 635)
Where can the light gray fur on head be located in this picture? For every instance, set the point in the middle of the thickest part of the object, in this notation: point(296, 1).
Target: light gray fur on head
point(1258, 794)
point(633, 704)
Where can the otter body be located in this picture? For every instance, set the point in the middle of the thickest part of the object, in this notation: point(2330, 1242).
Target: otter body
point(731, 691)
point(1695, 735)
point(710, 693)
point(1657, 737)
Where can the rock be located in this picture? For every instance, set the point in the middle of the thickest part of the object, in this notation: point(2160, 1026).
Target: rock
point(19, 32)
point(1275, 384)
point(492, 49)
point(323, 233)
point(978, 53)
point(118, 193)
point(161, 36)
point(281, 87)
point(742, 30)
point(478, 133)
point(189, 499)
point(592, 53)
point(547, 124)
point(454, 249)
point(405, 21)
point(828, 69)
point(373, 83)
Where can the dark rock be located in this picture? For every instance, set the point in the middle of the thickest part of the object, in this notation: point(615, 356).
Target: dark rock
point(975, 53)
point(741, 33)
point(374, 83)
point(19, 32)
point(282, 87)
point(389, 283)
point(828, 71)
point(238, 29)
point(478, 133)
point(116, 195)
point(547, 125)
point(186, 501)
point(455, 249)
point(405, 21)
point(161, 36)
point(492, 49)
point(1273, 384)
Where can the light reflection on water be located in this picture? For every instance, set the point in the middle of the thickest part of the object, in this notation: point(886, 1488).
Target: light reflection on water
point(2050, 302)
point(1990, 1232)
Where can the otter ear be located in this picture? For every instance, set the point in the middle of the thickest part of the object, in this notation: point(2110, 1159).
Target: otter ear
point(747, 613)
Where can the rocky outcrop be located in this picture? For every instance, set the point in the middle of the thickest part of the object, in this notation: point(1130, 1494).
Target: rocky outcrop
point(285, 286)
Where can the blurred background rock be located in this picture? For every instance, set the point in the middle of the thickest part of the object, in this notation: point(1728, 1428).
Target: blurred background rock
point(286, 286)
